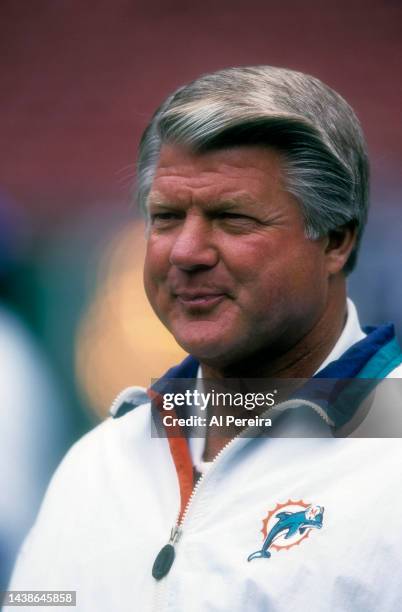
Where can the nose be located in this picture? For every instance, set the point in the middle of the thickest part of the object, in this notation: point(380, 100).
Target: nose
point(194, 248)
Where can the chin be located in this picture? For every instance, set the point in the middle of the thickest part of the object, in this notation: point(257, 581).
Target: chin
point(202, 349)
point(200, 344)
point(216, 352)
point(211, 342)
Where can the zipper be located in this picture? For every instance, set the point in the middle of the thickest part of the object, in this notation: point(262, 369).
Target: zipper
point(175, 535)
point(165, 557)
point(126, 395)
point(296, 403)
point(118, 400)
point(179, 524)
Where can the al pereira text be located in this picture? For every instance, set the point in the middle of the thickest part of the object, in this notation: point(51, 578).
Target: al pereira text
point(218, 421)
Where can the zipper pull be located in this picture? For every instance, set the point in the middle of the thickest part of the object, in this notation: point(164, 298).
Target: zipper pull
point(165, 557)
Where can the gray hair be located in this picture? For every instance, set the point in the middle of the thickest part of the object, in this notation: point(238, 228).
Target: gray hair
point(319, 135)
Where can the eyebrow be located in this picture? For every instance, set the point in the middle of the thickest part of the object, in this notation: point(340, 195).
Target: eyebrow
point(156, 199)
point(243, 198)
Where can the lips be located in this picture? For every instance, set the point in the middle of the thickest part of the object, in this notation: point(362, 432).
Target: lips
point(200, 298)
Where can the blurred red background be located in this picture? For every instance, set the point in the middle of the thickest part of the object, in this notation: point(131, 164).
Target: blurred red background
point(79, 82)
point(80, 79)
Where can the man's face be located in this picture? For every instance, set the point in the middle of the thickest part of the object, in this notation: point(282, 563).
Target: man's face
point(228, 269)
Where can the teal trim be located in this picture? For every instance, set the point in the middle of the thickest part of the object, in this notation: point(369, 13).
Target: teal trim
point(376, 369)
point(383, 362)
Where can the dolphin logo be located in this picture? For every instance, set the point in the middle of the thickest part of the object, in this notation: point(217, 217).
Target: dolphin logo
point(290, 523)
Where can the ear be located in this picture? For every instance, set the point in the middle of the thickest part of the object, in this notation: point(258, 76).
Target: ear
point(339, 246)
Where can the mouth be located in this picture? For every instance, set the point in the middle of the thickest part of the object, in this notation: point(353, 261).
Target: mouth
point(199, 300)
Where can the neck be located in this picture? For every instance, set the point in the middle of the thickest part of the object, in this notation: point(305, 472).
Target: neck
point(301, 360)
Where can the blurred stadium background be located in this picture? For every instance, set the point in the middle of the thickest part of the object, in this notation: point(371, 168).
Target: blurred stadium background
point(79, 81)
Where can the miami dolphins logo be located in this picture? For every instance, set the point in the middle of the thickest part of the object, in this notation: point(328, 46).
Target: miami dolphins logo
point(288, 527)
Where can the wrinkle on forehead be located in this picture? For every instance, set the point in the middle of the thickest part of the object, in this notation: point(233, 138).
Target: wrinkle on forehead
point(240, 198)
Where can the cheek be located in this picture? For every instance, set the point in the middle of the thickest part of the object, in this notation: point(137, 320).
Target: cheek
point(279, 274)
point(156, 260)
point(153, 272)
point(148, 285)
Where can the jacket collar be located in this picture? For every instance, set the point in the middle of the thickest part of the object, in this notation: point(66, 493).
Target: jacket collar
point(378, 348)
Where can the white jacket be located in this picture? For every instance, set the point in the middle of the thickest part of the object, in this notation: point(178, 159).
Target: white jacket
point(113, 501)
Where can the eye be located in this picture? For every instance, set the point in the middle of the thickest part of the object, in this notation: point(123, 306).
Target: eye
point(164, 218)
point(236, 222)
point(229, 215)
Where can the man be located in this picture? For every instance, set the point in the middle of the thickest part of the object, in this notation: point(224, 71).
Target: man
point(254, 185)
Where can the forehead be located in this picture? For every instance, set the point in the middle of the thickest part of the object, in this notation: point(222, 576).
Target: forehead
point(248, 172)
